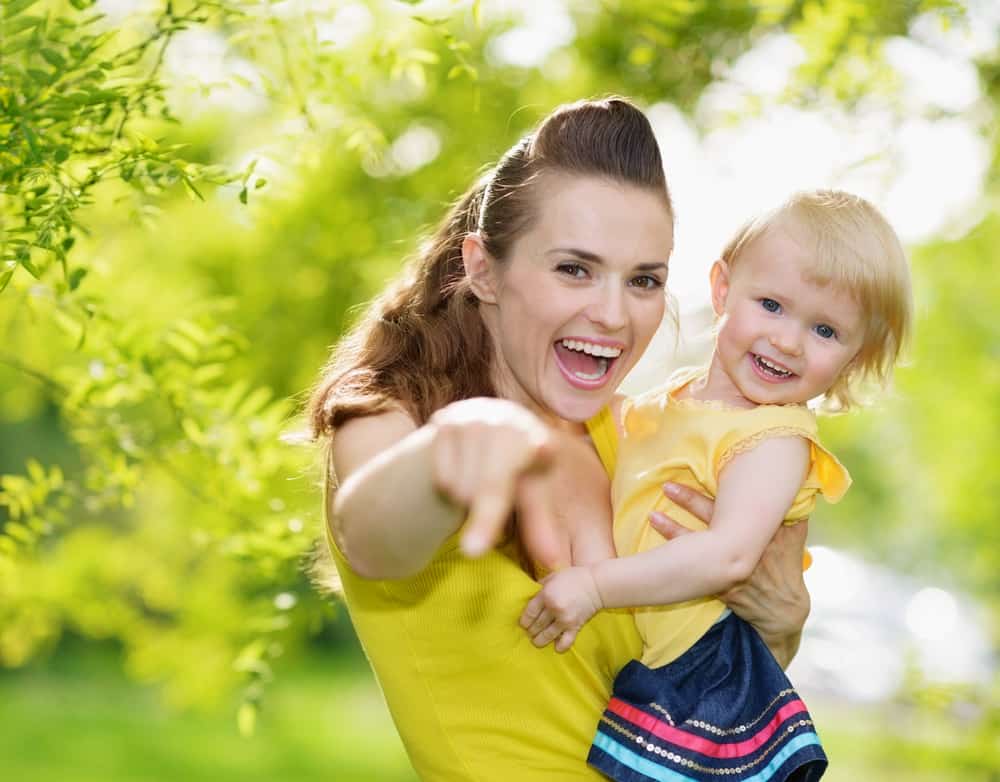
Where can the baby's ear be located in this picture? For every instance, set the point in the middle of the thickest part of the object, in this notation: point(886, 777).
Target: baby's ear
point(479, 268)
point(719, 278)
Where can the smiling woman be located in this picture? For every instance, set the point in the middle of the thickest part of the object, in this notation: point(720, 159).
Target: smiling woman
point(580, 295)
point(479, 384)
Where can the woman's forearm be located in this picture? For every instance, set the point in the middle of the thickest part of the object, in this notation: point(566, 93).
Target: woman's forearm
point(388, 518)
point(784, 647)
point(406, 489)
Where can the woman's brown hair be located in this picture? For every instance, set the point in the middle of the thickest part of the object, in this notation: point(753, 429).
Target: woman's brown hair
point(422, 344)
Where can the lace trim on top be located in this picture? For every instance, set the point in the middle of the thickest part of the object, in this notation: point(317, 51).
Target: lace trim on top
point(753, 440)
point(684, 377)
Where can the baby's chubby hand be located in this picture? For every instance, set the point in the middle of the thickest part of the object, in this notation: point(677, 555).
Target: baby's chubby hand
point(566, 601)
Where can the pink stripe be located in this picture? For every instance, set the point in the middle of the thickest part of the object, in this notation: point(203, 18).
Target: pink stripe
point(703, 745)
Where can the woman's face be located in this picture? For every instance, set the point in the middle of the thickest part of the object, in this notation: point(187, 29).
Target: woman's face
point(581, 294)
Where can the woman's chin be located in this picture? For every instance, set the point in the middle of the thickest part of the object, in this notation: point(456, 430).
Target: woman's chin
point(574, 405)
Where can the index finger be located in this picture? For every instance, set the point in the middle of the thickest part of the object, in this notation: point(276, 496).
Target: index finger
point(487, 515)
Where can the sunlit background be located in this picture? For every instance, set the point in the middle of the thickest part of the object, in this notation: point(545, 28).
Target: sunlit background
point(156, 619)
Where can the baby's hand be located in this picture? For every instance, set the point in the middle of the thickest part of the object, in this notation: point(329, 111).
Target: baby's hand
point(566, 601)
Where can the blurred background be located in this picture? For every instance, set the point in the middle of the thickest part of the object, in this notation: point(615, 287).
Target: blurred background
point(196, 197)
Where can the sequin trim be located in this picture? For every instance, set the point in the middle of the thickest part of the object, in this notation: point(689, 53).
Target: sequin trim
point(663, 711)
point(738, 729)
point(694, 765)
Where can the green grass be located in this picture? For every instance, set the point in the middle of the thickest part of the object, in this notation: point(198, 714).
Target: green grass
point(78, 719)
point(83, 721)
point(890, 743)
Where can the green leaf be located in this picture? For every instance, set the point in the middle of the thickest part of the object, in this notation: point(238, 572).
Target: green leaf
point(20, 532)
point(192, 431)
point(13, 7)
point(76, 277)
point(192, 191)
point(248, 171)
point(14, 44)
point(41, 77)
point(208, 373)
point(246, 719)
point(28, 264)
point(6, 272)
point(192, 331)
point(243, 195)
point(254, 403)
point(183, 346)
point(423, 55)
point(22, 23)
point(36, 471)
point(259, 184)
point(53, 58)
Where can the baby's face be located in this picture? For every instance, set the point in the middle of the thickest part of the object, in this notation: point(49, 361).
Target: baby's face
point(785, 338)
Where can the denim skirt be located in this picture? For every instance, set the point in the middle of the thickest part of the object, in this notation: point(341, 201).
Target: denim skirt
point(723, 710)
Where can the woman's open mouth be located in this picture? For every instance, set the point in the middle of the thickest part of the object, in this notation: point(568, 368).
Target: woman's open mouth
point(585, 364)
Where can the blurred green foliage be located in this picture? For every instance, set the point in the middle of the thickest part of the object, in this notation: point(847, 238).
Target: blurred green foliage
point(175, 261)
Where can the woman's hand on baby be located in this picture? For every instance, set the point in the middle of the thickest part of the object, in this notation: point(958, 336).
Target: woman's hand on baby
point(485, 452)
point(774, 599)
point(566, 601)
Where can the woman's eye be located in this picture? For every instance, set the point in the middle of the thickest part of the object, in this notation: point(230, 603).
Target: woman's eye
point(826, 332)
point(770, 305)
point(647, 282)
point(572, 269)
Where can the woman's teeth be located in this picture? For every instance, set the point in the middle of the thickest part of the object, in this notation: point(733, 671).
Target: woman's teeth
point(595, 365)
point(601, 351)
point(602, 368)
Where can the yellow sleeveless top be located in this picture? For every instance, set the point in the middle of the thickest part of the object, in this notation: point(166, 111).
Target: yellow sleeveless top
point(471, 697)
point(689, 442)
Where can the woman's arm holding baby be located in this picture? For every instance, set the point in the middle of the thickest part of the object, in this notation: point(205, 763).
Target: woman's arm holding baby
point(755, 491)
point(774, 599)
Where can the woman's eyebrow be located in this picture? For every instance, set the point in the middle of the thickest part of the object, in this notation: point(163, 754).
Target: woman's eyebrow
point(586, 255)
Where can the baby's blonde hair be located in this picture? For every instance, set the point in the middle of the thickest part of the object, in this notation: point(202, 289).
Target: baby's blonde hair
point(854, 249)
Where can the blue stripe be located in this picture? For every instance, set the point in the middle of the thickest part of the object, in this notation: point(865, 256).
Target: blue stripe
point(654, 770)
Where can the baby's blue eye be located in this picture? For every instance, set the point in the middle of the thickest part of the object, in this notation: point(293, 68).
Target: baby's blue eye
point(826, 332)
point(770, 305)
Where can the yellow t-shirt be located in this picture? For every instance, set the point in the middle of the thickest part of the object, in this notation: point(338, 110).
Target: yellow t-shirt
point(471, 697)
point(689, 442)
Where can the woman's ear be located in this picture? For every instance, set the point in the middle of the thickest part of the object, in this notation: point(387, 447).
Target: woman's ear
point(719, 278)
point(479, 268)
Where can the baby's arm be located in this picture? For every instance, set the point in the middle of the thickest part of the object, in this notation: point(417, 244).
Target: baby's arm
point(756, 489)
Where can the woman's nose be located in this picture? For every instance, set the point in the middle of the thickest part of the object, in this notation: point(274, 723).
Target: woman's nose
point(608, 310)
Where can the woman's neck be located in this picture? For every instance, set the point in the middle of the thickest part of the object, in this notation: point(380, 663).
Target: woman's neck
point(507, 387)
